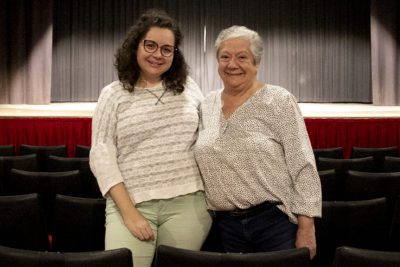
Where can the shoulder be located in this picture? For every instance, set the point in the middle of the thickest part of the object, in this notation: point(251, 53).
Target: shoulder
point(212, 97)
point(193, 90)
point(277, 96)
point(112, 91)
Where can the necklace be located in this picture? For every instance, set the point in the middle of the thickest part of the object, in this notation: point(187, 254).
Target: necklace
point(158, 98)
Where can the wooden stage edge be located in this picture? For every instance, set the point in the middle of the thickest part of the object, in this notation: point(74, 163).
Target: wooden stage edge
point(309, 110)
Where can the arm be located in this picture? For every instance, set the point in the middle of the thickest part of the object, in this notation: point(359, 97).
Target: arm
point(133, 219)
point(306, 234)
point(103, 163)
point(307, 202)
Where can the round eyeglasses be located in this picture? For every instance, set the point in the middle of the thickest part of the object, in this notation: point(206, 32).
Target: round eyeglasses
point(151, 47)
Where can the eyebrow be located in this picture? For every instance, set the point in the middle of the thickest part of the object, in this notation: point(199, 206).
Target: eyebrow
point(158, 42)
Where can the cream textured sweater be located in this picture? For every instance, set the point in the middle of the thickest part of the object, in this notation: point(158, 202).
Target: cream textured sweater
point(144, 139)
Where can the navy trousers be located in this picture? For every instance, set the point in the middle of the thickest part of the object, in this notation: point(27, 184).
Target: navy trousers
point(266, 230)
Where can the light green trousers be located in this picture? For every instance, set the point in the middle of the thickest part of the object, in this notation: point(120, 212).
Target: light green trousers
point(182, 222)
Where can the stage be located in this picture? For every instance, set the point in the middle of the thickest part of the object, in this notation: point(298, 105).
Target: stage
point(328, 125)
point(309, 110)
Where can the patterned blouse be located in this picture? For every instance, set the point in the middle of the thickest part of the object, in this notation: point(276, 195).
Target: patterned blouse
point(260, 153)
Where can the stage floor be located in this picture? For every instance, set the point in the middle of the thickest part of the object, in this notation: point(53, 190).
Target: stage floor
point(309, 110)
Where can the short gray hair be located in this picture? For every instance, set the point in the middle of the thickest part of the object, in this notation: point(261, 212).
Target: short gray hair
point(242, 32)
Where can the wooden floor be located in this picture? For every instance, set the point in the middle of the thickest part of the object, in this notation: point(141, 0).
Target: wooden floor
point(309, 110)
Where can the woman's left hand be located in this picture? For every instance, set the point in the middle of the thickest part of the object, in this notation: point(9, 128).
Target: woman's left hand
point(306, 234)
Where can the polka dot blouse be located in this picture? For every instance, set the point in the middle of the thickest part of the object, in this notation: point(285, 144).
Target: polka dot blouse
point(260, 153)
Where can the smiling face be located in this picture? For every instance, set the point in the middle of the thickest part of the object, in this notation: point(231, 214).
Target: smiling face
point(236, 64)
point(153, 65)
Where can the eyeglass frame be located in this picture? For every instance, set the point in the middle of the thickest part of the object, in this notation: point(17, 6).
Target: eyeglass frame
point(158, 46)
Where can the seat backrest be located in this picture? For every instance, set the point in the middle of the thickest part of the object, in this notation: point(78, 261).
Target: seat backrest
point(26, 162)
point(378, 153)
point(332, 152)
point(368, 185)
point(167, 256)
point(356, 257)
point(363, 224)
point(395, 227)
point(391, 164)
point(7, 150)
point(25, 182)
point(78, 224)
point(21, 223)
point(12, 257)
point(43, 152)
point(82, 151)
point(341, 166)
point(89, 182)
point(329, 185)
point(47, 185)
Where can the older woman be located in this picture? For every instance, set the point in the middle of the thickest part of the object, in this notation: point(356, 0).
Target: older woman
point(255, 156)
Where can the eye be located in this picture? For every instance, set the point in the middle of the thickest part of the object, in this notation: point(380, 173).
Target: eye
point(167, 49)
point(224, 57)
point(150, 45)
point(242, 57)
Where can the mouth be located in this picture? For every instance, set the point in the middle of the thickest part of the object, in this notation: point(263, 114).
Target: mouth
point(155, 64)
point(233, 73)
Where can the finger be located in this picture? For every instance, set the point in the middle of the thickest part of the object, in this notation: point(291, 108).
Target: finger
point(150, 233)
point(138, 235)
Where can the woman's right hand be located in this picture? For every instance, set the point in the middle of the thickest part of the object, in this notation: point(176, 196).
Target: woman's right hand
point(138, 225)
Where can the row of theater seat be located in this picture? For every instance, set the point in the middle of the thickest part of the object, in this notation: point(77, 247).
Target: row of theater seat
point(59, 150)
point(46, 164)
point(359, 213)
point(68, 224)
point(174, 257)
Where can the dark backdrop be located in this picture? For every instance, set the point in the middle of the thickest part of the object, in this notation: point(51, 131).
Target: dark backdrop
point(318, 50)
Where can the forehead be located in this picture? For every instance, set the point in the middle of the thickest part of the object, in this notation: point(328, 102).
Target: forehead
point(235, 46)
point(160, 35)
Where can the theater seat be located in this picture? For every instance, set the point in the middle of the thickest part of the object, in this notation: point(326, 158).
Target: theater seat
point(341, 166)
point(82, 164)
point(329, 185)
point(26, 162)
point(363, 224)
point(21, 223)
point(369, 185)
point(167, 256)
point(7, 150)
point(332, 152)
point(11, 257)
point(79, 224)
point(43, 152)
point(356, 257)
point(47, 185)
point(378, 153)
point(82, 151)
point(391, 164)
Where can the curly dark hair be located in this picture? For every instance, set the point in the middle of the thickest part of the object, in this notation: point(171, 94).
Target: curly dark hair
point(126, 61)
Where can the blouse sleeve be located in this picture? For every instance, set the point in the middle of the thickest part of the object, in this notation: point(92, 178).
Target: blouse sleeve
point(300, 160)
point(103, 153)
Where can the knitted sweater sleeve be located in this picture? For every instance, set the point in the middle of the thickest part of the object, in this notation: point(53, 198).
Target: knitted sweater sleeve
point(103, 153)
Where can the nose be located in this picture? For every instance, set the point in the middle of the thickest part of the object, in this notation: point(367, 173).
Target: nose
point(157, 53)
point(232, 63)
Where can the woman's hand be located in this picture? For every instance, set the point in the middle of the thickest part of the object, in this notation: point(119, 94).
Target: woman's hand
point(136, 223)
point(306, 234)
point(138, 226)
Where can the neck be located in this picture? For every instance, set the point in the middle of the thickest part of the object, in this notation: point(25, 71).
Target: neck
point(238, 92)
point(146, 83)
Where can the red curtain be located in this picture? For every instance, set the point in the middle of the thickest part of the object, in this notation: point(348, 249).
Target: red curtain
point(347, 133)
point(46, 131)
point(323, 133)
